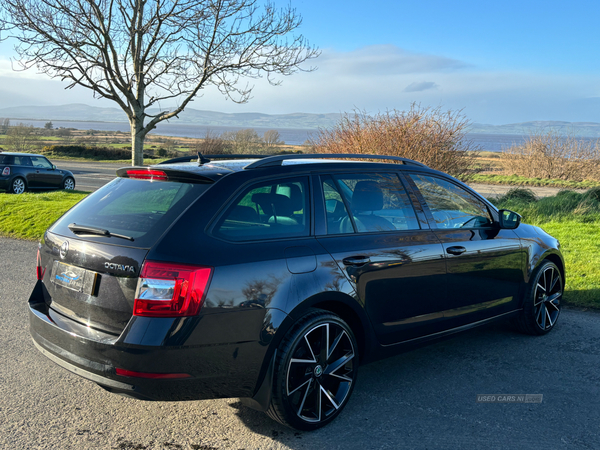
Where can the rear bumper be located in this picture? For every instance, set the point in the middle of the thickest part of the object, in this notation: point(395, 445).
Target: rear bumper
point(216, 371)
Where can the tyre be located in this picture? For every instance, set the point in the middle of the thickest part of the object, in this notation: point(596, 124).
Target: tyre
point(542, 301)
point(315, 371)
point(69, 184)
point(18, 186)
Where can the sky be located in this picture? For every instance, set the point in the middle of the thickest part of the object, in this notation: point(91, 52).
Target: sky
point(498, 62)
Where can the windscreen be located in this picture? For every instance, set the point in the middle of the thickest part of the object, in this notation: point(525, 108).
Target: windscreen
point(139, 209)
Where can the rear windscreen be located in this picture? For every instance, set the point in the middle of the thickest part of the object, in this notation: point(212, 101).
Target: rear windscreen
point(139, 209)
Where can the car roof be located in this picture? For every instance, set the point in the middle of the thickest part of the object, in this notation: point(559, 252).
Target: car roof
point(19, 154)
point(220, 167)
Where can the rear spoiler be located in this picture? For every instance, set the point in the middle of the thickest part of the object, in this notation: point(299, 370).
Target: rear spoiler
point(162, 174)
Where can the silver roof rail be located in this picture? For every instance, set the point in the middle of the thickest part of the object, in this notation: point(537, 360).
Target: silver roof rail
point(278, 159)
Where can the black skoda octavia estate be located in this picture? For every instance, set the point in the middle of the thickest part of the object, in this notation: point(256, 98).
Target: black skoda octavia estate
point(273, 279)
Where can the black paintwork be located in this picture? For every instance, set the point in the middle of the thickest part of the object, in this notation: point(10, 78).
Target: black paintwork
point(35, 177)
point(410, 290)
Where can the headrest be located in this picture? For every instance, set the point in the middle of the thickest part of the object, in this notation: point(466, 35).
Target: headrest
point(367, 196)
point(293, 192)
point(274, 204)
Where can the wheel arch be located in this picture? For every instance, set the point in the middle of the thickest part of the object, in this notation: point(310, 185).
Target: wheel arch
point(344, 306)
point(348, 309)
point(557, 260)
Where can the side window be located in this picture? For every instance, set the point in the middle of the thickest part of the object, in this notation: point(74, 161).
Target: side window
point(269, 210)
point(335, 209)
point(377, 202)
point(22, 161)
point(40, 162)
point(450, 205)
point(7, 159)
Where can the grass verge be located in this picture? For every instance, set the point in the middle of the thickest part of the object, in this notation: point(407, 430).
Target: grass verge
point(27, 216)
point(515, 180)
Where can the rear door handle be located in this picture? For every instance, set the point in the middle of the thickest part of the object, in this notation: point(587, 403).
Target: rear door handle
point(456, 250)
point(356, 260)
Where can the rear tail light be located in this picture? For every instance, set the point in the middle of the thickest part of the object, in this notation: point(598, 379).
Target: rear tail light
point(170, 290)
point(6, 171)
point(39, 270)
point(147, 174)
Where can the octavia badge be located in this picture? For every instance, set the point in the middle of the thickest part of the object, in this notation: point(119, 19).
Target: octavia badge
point(64, 248)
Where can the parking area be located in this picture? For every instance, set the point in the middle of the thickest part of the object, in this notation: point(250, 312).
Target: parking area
point(423, 399)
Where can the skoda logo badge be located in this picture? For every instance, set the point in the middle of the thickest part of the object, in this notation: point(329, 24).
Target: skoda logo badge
point(318, 371)
point(64, 248)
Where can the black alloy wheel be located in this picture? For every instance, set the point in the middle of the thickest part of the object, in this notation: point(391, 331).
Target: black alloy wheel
point(315, 371)
point(543, 301)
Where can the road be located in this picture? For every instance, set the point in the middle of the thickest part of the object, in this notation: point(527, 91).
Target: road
point(90, 176)
point(425, 399)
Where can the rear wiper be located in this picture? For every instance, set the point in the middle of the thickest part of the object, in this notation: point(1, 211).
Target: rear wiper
point(93, 230)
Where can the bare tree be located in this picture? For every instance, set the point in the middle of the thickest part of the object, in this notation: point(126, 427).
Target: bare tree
point(4, 126)
point(272, 139)
point(212, 144)
point(139, 53)
point(20, 138)
point(242, 141)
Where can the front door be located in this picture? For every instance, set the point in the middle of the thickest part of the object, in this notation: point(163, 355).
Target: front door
point(46, 175)
point(387, 251)
point(484, 262)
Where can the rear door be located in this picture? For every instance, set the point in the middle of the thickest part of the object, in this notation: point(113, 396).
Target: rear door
point(484, 262)
point(386, 250)
point(26, 169)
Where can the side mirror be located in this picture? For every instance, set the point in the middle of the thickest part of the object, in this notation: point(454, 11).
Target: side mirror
point(53, 167)
point(509, 219)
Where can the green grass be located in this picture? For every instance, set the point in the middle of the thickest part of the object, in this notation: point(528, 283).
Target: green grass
point(574, 219)
point(515, 180)
point(27, 216)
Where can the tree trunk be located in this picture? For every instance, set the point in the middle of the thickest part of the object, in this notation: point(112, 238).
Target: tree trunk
point(137, 141)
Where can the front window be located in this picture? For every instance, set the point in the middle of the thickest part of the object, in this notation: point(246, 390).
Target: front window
point(40, 162)
point(450, 205)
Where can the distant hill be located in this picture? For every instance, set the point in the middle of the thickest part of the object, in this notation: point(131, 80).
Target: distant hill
point(304, 121)
point(85, 113)
point(581, 129)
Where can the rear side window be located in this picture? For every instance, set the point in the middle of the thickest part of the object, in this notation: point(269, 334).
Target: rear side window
point(140, 209)
point(24, 161)
point(268, 210)
point(7, 159)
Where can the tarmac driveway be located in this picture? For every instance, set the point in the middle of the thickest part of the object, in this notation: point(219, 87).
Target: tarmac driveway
point(426, 399)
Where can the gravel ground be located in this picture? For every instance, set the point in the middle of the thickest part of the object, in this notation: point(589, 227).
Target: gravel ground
point(425, 399)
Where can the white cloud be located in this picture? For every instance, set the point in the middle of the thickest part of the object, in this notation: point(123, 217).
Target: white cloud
point(387, 60)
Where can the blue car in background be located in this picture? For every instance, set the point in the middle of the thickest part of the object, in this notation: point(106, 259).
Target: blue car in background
point(20, 172)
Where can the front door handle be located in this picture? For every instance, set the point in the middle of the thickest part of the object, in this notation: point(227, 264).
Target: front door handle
point(456, 250)
point(356, 260)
